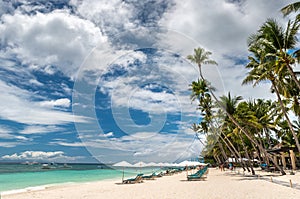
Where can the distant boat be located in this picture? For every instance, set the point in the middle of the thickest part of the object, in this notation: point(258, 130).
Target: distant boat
point(49, 166)
point(46, 166)
point(29, 163)
point(67, 166)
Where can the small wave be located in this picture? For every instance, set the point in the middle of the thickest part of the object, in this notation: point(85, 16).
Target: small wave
point(10, 192)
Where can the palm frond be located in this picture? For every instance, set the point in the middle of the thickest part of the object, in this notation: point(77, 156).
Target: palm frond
point(293, 7)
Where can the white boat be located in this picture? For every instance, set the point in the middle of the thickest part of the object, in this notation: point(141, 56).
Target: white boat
point(67, 166)
point(49, 166)
point(45, 166)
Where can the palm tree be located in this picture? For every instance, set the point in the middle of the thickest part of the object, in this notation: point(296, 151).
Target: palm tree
point(264, 63)
point(230, 105)
point(201, 56)
point(277, 42)
point(293, 7)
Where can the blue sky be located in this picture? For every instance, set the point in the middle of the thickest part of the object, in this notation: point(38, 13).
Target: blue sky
point(107, 80)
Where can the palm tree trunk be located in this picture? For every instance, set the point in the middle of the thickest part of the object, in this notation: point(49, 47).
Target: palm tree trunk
point(234, 152)
point(217, 159)
point(200, 72)
point(268, 139)
point(222, 150)
point(293, 75)
point(241, 128)
point(266, 159)
point(255, 142)
point(231, 148)
point(286, 116)
point(247, 155)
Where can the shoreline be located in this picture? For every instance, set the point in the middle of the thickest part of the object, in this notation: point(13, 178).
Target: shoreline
point(25, 181)
point(49, 186)
point(218, 184)
point(62, 184)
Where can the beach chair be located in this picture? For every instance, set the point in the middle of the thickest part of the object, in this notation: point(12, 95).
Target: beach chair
point(168, 172)
point(137, 179)
point(149, 177)
point(158, 175)
point(199, 175)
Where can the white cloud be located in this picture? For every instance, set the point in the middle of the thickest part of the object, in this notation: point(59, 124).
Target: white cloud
point(9, 144)
point(109, 134)
point(69, 144)
point(57, 38)
point(23, 110)
point(223, 28)
point(5, 133)
point(39, 129)
point(64, 102)
point(35, 155)
point(60, 40)
point(110, 15)
point(35, 82)
point(8, 134)
point(161, 87)
point(40, 156)
point(143, 146)
point(5, 7)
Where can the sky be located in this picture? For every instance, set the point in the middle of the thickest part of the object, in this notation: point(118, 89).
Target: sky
point(108, 80)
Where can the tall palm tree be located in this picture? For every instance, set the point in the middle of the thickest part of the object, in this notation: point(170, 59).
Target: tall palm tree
point(277, 42)
point(264, 63)
point(201, 56)
point(230, 105)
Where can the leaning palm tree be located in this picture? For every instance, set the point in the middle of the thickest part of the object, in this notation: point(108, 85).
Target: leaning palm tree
point(202, 57)
point(293, 7)
point(265, 61)
point(230, 103)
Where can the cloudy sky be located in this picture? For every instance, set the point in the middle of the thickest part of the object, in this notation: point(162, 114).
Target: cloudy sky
point(108, 80)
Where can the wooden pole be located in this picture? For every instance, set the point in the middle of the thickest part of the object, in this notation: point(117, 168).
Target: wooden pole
point(187, 173)
point(292, 154)
point(275, 159)
point(291, 184)
point(123, 175)
point(283, 160)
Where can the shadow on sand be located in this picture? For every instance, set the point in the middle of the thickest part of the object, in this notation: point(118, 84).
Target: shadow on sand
point(266, 177)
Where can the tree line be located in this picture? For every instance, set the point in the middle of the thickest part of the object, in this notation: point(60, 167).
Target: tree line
point(240, 128)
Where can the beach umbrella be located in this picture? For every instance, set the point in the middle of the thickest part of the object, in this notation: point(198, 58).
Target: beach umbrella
point(123, 164)
point(152, 164)
point(231, 160)
point(190, 163)
point(140, 164)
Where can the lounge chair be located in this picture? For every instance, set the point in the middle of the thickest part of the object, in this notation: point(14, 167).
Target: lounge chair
point(149, 177)
point(158, 175)
point(199, 175)
point(137, 179)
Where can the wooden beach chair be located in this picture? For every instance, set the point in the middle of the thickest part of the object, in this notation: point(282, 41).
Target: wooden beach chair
point(137, 179)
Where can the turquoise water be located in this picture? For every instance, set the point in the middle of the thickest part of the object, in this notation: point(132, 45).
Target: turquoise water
point(17, 176)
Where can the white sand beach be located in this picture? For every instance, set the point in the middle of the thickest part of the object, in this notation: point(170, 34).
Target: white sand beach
point(217, 185)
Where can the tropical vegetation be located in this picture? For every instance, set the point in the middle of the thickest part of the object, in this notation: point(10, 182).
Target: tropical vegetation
point(249, 130)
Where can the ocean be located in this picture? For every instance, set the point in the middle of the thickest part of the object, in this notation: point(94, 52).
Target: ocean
point(18, 177)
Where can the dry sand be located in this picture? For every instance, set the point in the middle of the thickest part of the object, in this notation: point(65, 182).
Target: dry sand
point(218, 184)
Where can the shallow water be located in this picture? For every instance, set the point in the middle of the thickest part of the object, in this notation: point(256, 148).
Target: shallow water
point(18, 176)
